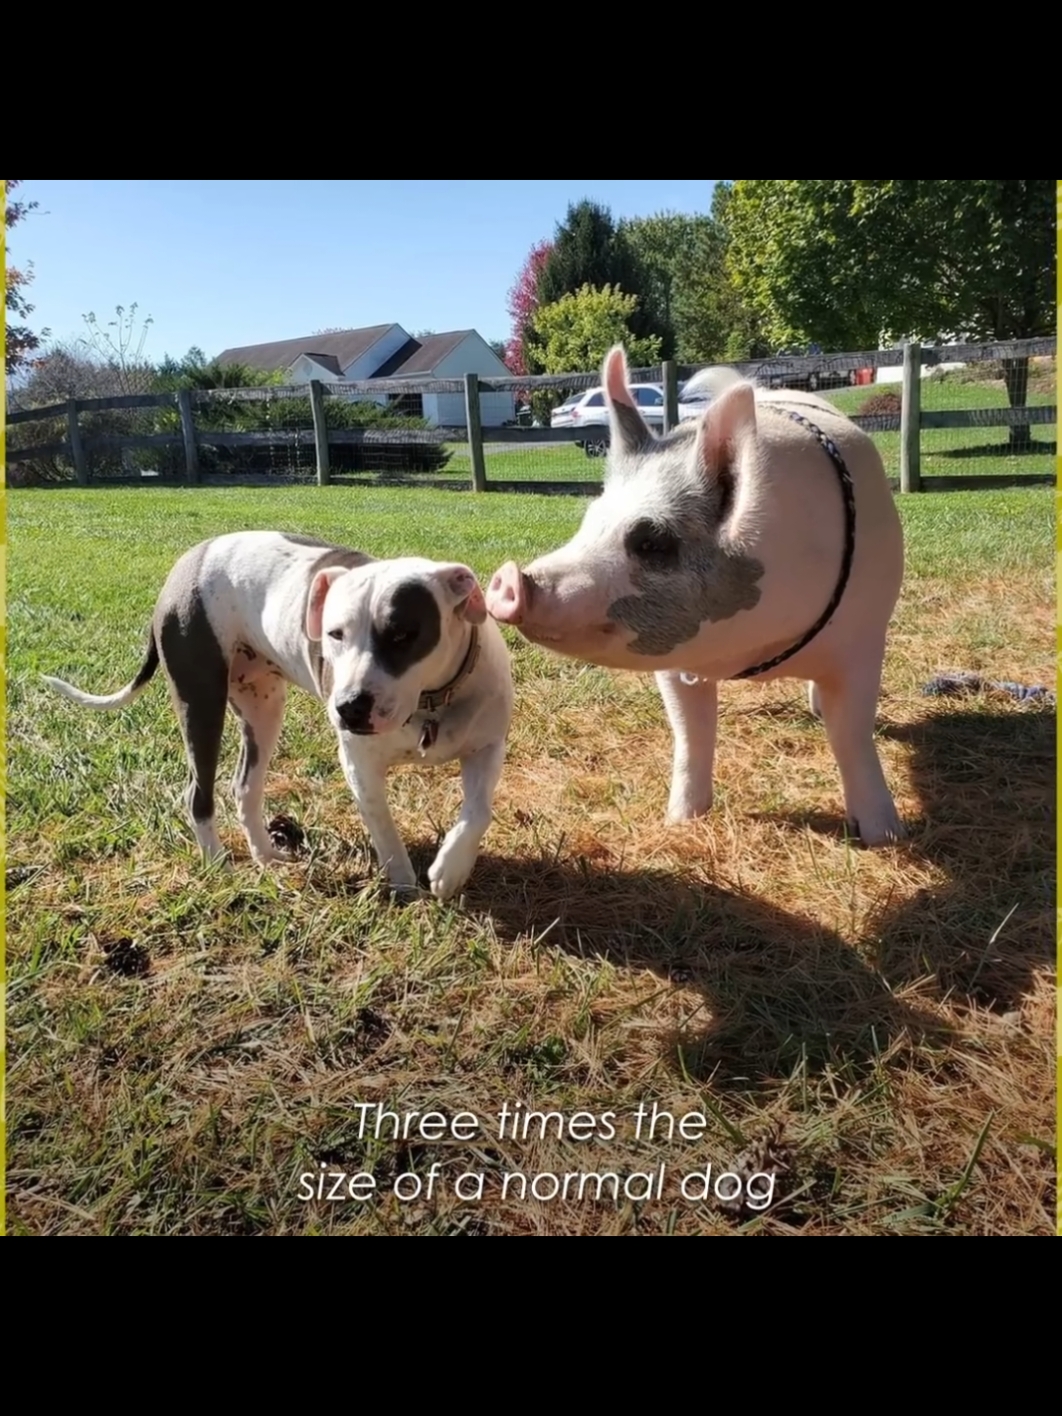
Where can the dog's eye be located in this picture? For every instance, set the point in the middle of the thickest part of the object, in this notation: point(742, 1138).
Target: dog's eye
point(335, 634)
point(401, 636)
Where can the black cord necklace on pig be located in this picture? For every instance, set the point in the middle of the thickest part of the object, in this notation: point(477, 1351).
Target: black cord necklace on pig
point(848, 493)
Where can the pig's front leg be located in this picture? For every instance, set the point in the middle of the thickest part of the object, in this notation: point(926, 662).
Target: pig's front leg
point(849, 701)
point(692, 710)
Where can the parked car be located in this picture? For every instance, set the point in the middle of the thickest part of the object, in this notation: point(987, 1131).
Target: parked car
point(587, 409)
point(770, 377)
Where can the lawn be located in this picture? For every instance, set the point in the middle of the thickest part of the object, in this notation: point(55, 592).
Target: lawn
point(878, 1027)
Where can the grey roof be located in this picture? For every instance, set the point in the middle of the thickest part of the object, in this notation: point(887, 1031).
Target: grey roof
point(421, 356)
point(327, 361)
point(344, 347)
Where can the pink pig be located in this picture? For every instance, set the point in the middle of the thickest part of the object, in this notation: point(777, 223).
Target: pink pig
point(760, 541)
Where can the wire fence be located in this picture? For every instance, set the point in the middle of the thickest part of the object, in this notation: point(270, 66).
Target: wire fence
point(951, 417)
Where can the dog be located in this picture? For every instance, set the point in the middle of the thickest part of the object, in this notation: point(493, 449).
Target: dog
point(401, 652)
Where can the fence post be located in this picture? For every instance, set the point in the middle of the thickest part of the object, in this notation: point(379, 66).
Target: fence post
point(911, 420)
point(475, 433)
point(77, 450)
point(191, 449)
point(320, 432)
point(669, 370)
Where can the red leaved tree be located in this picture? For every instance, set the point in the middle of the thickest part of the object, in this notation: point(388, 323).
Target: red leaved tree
point(21, 341)
point(523, 302)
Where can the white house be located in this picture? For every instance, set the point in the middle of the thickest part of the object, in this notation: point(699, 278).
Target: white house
point(390, 352)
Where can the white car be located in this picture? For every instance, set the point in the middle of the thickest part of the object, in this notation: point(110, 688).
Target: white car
point(587, 409)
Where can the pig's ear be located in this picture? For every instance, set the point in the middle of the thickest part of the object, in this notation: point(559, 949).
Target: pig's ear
point(315, 603)
point(629, 431)
point(462, 590)
point(725, 422)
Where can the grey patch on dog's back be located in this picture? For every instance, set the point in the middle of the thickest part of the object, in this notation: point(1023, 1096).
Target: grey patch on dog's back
point(198, 671)
point(712, 579)
point(339, 555)
point(297, 539)
point(333, 555)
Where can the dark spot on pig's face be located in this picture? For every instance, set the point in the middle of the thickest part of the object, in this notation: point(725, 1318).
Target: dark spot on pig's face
point(684, 569)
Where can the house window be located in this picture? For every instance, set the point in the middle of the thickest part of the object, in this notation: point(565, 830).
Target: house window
point(410, 405)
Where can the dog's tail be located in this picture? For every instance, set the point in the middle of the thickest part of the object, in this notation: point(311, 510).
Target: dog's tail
point(124, 695)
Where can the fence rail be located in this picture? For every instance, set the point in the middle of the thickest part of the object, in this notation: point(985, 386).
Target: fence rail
point(184, 412)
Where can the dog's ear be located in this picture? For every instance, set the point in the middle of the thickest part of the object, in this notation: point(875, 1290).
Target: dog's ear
point(462, 591)
point(322, 583)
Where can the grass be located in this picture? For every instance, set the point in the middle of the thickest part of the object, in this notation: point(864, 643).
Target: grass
point(877, 1027)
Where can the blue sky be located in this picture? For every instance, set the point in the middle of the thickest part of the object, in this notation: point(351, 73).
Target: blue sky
point(222, 263)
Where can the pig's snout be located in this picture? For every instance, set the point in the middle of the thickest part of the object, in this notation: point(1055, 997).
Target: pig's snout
point(509, 594)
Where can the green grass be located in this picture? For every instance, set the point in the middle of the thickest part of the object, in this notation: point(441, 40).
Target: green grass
point(184, 1042)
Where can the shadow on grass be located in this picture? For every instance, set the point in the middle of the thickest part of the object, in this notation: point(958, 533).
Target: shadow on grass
point(780, 991)
point(986, 783)
point(999, 449)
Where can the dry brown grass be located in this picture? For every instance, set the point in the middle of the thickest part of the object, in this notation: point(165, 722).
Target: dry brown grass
point(185, 1044)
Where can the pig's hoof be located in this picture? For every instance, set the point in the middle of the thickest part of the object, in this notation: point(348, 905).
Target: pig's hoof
point(686, 810)
point(881, 829)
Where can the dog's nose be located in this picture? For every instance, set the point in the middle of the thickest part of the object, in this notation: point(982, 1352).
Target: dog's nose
point(356, 713)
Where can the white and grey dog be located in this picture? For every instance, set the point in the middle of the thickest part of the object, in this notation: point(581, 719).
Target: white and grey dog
point(401, 652)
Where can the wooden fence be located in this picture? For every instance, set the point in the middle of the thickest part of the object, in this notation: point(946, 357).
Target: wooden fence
point(185, 434)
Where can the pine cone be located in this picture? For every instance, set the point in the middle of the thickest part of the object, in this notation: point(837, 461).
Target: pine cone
point(765, 1155)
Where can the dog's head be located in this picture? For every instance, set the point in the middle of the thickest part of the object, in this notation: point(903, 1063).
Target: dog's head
point(389, 631)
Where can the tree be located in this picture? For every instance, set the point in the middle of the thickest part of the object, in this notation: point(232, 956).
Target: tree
point(590, 250)
point(498, 347)
point(683, 259)
point(577, 331)
point(21, 342)
point(852, 264)
point(196, 371)
point(108, 360)
point(521, 306)
point(665, 247)
point(118, 349)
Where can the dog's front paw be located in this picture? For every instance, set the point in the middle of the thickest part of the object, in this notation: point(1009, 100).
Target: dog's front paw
point(450, 870)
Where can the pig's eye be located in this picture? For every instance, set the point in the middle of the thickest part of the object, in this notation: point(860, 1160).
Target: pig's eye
point(653, 543)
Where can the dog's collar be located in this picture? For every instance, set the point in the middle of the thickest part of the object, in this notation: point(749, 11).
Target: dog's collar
point(436, 698)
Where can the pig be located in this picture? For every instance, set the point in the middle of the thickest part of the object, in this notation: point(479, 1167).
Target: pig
point(717, 552)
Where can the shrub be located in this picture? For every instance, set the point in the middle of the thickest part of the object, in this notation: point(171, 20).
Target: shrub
point(881, 403)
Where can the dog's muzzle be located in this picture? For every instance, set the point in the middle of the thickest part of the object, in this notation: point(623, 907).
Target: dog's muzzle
point(356, 714)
